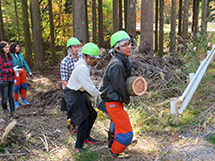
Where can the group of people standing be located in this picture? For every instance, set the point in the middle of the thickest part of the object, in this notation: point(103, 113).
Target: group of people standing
point(12, 77)
point(79, 89)
point(111, 95)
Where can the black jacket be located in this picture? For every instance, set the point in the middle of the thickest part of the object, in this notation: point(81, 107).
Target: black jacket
point(112, 88)
point(77, 105)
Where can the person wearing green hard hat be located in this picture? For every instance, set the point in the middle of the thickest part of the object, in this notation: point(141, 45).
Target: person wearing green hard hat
point(79, 88)
point(66, 68)
point(67, 64)
point(113, 95)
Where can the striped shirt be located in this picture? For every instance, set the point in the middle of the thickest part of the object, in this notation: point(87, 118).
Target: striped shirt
point(6, 70)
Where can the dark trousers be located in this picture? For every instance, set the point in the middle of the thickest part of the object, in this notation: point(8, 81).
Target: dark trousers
point(85, 127)
point(7, 92)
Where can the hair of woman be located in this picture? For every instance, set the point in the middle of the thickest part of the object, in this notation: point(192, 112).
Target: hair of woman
point(2, 53)
point(13, 47)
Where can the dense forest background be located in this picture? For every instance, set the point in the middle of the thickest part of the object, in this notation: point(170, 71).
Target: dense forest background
point(43, 27)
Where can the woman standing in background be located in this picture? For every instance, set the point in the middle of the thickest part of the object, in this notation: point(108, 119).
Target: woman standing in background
point(7, 77)
point(21, 80)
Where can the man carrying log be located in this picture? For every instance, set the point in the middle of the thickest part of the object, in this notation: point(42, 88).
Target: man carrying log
point(79, 87)
point(112, 94)
point(66, 68)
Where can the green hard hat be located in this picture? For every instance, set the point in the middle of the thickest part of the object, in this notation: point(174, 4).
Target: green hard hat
point(72, 41)
point(118, 36)
point(91, 49)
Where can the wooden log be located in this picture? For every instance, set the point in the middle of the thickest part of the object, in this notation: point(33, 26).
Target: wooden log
point(136, 86)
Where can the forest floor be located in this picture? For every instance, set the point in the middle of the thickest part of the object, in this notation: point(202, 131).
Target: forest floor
point(41, 132)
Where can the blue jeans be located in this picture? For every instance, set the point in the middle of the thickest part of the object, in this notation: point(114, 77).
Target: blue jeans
point(85, 127)
point(7, 89)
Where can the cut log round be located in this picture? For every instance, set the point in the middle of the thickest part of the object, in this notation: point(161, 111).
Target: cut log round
point(136, 86)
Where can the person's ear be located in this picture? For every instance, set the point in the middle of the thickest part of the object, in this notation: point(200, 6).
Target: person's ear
point(117, 49)
point(84, 56)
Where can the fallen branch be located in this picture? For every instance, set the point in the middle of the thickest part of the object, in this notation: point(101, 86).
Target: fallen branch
point(165, 153)
point(2, 155)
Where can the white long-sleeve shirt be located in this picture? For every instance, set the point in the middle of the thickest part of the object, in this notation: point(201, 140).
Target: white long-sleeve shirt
point(80, 79)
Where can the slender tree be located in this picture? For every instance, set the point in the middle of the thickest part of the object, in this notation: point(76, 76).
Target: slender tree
point(101, 38)
point(86, 17)
point(120, 14)
point(180, 17)
point(54, 60)
point(2, 36)
point(173, 26)
point(28, 51)
point(204, 15)
point(156, 25)
point(161, 27)
point(185, 20)
point(131, 18)
point(146, 32)
point(94, 29)
point(195, 16)
point(17, 23)
point(115, 16)
point(125, 13)
point(39, 50)
point(79, 20)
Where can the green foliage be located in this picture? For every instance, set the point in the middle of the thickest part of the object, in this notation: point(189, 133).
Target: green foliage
point(63, 23)
point(211, 11)
point(196, 52)
point(2, 147)
point(9, 20)
point(211, 139)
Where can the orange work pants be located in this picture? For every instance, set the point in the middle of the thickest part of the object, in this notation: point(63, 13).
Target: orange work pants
point(123, 130)
point(20, 85)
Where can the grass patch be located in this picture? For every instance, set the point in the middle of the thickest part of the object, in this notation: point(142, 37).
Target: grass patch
point(2, 147)
point(86, 156)
point(211, 139)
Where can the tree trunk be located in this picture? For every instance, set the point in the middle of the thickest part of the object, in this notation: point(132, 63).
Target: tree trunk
point(101, 38)
point(79, 20)
point(2, 37)
point(86, 15)
point(94, 29)
point(173, 26)
point(146, 32)
point(131, 18)
point(28, 50)
point(54, 61)
point(185, 20)
point(115, 16)
point(120, 14)
point(204, 16)
point(180, 17)
point(195, 16)
point(39, 50)
point(208, 12)
point(125, 13)
point(17, 24)
point(156, 26)
point(196, 26)
point(161, 27)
